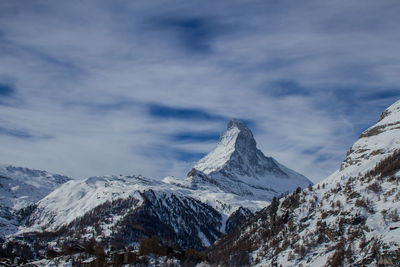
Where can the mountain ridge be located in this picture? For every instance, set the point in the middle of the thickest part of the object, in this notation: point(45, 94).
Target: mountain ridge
point(350, 218)
point(20, 188)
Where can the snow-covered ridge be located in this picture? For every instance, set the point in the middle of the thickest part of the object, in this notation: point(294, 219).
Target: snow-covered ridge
point(21, 187)
point(127, 208)
point(77, 197)
point(216, 159)
point(374, 144)
point(386, 116)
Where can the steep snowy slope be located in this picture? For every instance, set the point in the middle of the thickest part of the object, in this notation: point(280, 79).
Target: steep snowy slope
point(191, 217)
point(225, 203)
point(237, 166)
point(125, 208)
point(374, 144)
point(21, 187)
point(349, 219)
point(76, 198)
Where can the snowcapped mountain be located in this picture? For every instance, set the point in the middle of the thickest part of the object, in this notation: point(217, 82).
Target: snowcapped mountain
point(220, 192)
point(77, 199)
point(21, 187)
point(125, 208)
point(108, 207)
point(349, 219)
point(237, 166)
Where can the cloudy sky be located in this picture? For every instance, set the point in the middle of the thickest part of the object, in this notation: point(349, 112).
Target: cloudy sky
point(146, 87)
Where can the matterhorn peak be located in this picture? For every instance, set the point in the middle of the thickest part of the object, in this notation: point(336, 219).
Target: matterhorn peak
point(236, 139)
point(236, 165)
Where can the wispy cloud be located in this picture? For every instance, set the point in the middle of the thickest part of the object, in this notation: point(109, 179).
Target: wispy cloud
point(282, 88)
point(16, 133)
point(118, 83)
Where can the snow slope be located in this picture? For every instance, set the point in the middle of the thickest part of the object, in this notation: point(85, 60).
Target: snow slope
point(374, 144)
point(77, 197)
point(126, 208)
point(21, 187)
point(224, 202)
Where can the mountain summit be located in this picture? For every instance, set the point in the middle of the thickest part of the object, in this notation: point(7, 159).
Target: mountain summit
point(237, 143)
point(237, 166)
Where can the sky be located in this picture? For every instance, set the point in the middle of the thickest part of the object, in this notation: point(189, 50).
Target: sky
point(147, 87)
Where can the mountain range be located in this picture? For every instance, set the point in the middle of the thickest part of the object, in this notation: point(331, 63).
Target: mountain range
point(238, 206)
point(225, 187)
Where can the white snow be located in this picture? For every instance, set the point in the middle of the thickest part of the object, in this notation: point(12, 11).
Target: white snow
point(19, 188)
point(368, 151)
point(75, 198)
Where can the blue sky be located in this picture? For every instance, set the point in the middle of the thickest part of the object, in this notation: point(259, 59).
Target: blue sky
point(146, 87)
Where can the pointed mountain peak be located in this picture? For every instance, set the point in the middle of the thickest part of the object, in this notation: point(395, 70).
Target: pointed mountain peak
point(237, 124)
point(236, 139)
point(236, 165)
